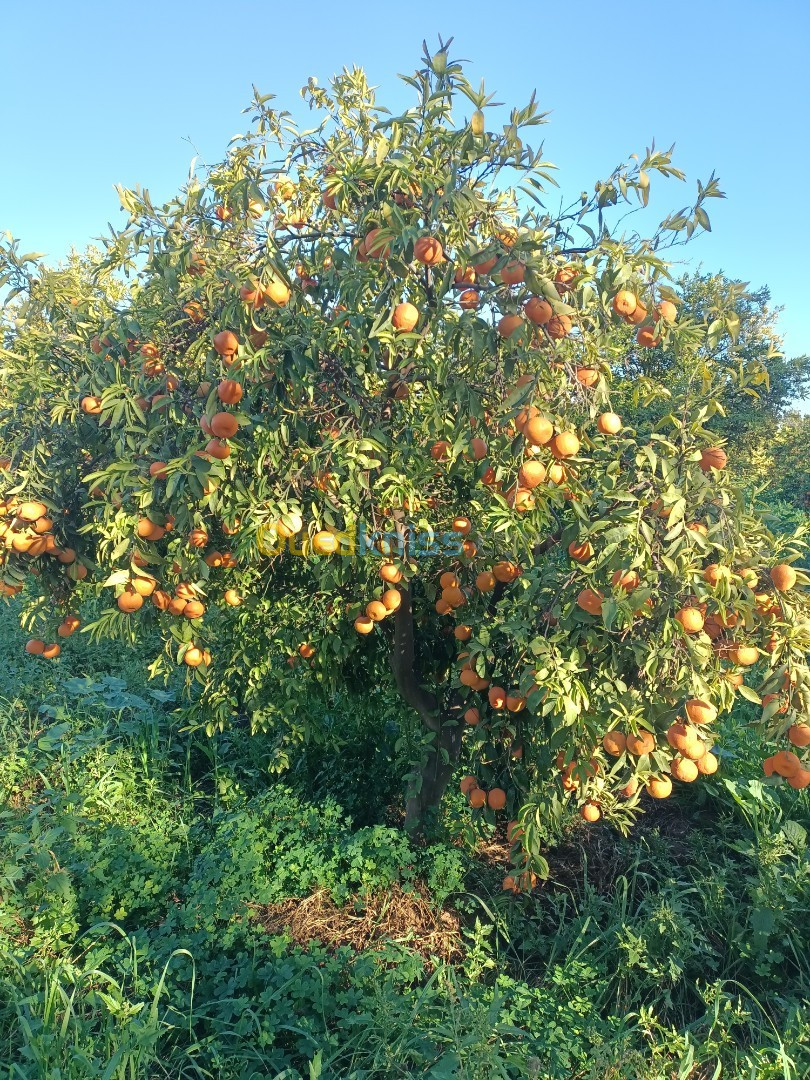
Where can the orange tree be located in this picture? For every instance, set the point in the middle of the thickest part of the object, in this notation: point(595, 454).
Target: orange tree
point(338, 417)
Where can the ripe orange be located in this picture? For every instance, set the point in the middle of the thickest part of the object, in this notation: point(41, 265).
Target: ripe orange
point(376, 610)
point(496, 798)
point(590, 601)
point(405, 317)
point(34, 647)
point(479, 449)
point(531, 474)
point(324, 543)
point(538, 430)
point(461, 525)
point(472, 717)
point(580, 550)
point(50, 652)
point(363, 624)
point(558, 327)
point(232, 597)
point(642, 743)
point(198, 538)
point(691, 619)
point(216, 449)
point(513, 273)
point(783, 577)
point(464, 276)
point(666, 310)
point(506, 572)
point(229, 392)
point(391, 573)
point(684, 770)
point(440, 450)
point(497, 697)
point(468, 300)
point(485, 581)
point(659, 787)
point(509, 324)
point(624, 303)
point(609, 423)
point(223, 425)
point(442, 607)
point(799, 780)
point(277, 291)
point(293, 525)
point(194, 609)
point(625, 579)
point(30, 511)
point(538, 311)
point(467, 784)
point(449, 580)
point(226, 343)
point(392, 599)
point(646, 338)
point(587, 376)
point(590, 811)
point(700, 712)
point(145, 586)
point(799, 734)
point(744, 655)
point(129, 600)
point(707, 764)
point(454, 597)
point(477, 798)
point(713, 458)
point(193, 656)
point(614, 743)
point(785, 763)
point(565, 445)
point(428, 251)
point(462, 632)
point(376, 245)
point(630, 788)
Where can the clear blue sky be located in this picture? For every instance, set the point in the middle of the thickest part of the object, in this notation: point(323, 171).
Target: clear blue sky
point(94, 94)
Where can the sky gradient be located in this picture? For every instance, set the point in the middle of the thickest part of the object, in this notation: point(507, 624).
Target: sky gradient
point(92, 96)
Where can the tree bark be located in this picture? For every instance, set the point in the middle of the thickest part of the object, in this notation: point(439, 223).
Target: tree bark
point(444, 724)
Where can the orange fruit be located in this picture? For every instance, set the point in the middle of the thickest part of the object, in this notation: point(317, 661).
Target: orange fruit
point(472, 717)
point(713, 458)
point(642, 743)
point(477, 798)
point(565, 445)
point(497, 697)
point(799, 734)
point(496, 799)
point(614, 743)
point(509, 324)
point(783, 577)
point(448, 580)
point(580, 550)
point(129, 600)
point(646, 338)
point(691, 619)
point(392, 599)
point(193, 656)
point(223, 425)
point(405, 317)
point(194, 609)
point(707, 764)
point(363, 624)
point(666, 310)
point(216, 449)
point(506, 572)
point(624, 303)
point(800, 779)
point(538, 311)
point(513, 273)
point(198, 538)
point(684, 770)
point(700, 712)
point(531, 474)
point(50, 652)
point(468, 300)
point(609, 423)
point(587, 376)
point(461, 525)
point(659, 787)
point(391, 573)
point(454, 597)
point(558, 327)
point(590, 811)
point(324, 543)
point(226, 343)
point(440, 450)
point(590, 601)
point(232, 597)
point(428, 251)
point(34, 647)
point(229, 392)
point(376, 610)
point(625, 579)
point(538, 430)
point(485, 581)
point(462, 632)
point(744, 655)
point(785, 763)
point(277, 291)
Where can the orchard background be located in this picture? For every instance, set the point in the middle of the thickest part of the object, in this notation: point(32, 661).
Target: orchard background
point(412, 582)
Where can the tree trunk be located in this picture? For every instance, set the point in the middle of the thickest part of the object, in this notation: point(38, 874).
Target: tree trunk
point(445, 726)
point(434, 775)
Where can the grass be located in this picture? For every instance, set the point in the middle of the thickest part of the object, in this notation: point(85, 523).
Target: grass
point(170, 909)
